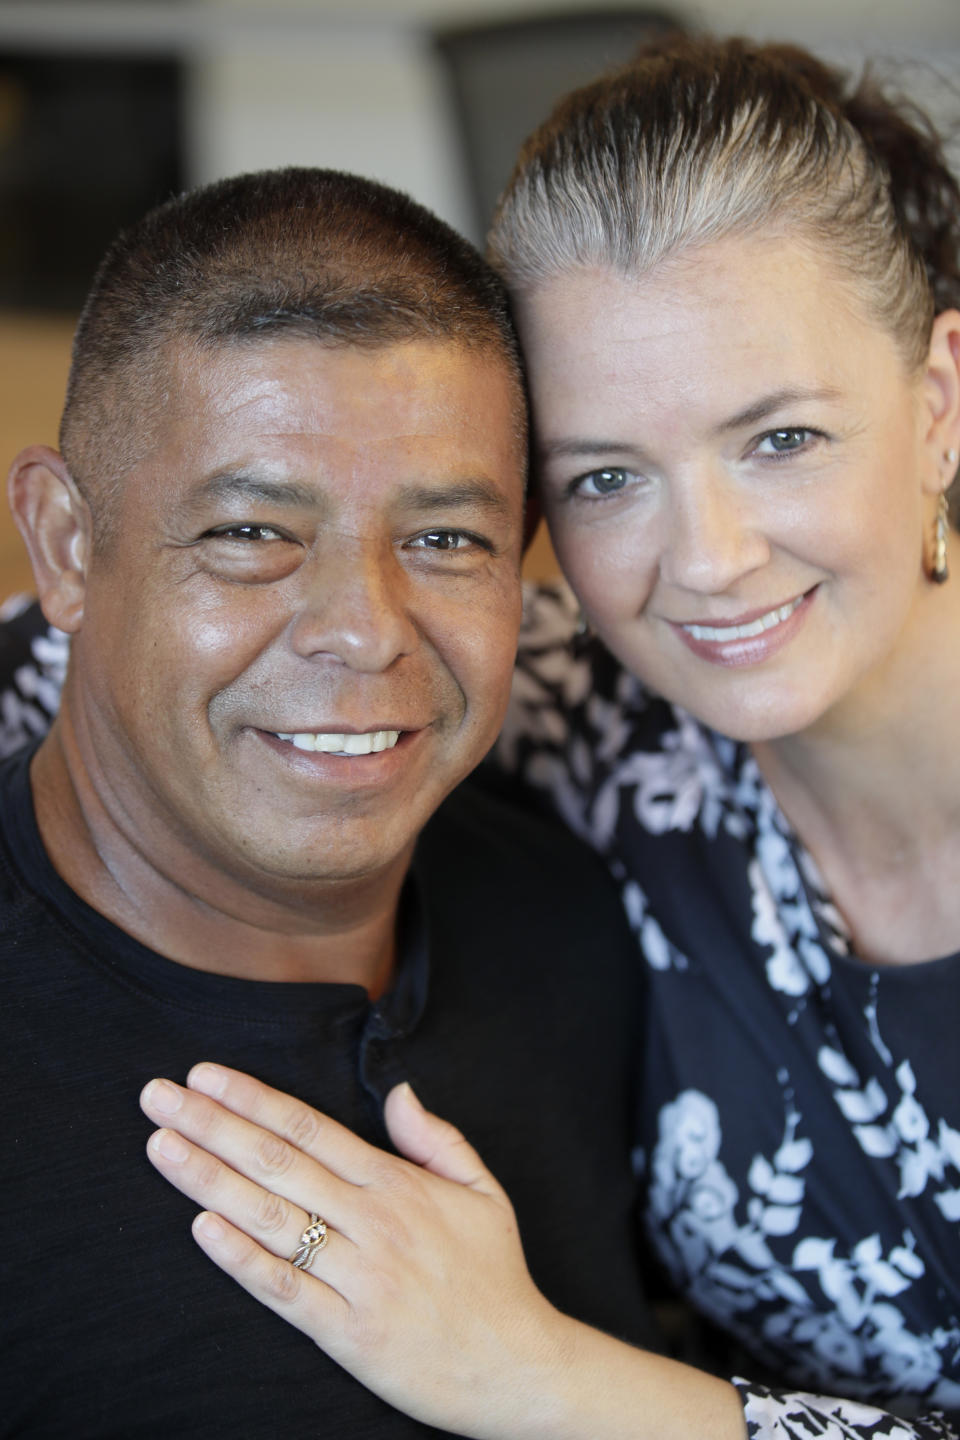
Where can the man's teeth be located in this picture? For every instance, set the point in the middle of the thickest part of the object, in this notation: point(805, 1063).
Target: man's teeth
point(744, 632)
point(330, 743)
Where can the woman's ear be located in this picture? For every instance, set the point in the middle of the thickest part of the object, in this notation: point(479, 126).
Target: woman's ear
point(941, 389)
point(54, 520)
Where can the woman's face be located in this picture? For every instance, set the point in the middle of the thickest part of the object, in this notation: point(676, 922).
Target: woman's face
point(738, 477)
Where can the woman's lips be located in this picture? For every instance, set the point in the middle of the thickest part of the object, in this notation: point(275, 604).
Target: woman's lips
point(751, 638)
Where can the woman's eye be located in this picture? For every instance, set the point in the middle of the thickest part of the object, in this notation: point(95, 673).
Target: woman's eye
point(783, 442)
point(599, 483)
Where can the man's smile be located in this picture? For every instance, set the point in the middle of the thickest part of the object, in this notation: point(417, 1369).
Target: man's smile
point(355, 758)
point(330, 742)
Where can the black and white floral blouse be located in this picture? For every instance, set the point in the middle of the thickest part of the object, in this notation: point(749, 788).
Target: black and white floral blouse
point(33, 663)
point(799, 1143)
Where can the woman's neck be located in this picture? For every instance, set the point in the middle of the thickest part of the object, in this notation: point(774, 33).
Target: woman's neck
point(873, 791)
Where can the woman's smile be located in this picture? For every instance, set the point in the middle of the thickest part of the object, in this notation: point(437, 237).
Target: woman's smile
point(750, 639)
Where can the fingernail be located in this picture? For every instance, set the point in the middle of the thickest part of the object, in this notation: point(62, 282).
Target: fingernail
point(170, 1145)
point(411, 1094)
point(211, 1227)
point(208, 1079)
point(161, 1095)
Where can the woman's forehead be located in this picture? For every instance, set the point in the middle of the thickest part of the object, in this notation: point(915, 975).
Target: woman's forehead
point(771, 280)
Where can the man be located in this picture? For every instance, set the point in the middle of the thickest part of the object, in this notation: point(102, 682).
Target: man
point(284, 537)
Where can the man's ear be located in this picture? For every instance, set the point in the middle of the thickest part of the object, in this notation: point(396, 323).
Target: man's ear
point(941, 388)
point(54, 520)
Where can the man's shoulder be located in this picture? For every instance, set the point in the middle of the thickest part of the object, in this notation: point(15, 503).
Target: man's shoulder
point(26, 915)
point(517, 870)
point(15, 809)
point(501, 824)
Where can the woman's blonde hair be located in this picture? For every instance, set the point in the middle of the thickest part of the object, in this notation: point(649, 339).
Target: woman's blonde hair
point(699, 139)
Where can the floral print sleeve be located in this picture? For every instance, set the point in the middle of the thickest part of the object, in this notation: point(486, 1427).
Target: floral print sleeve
point(33, 662)
point(798, 1138)
point(772, 1415)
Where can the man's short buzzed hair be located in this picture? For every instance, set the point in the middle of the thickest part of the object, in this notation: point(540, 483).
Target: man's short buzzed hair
point(298, 253)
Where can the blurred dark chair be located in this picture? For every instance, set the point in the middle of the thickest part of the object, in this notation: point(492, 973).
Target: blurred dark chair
point(506, 76)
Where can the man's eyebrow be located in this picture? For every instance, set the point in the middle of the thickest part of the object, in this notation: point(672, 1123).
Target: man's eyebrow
point(767, 405)
point(459, 495)
point(246, 485)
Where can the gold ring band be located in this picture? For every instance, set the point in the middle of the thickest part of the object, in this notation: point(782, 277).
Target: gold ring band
point(311, 1243)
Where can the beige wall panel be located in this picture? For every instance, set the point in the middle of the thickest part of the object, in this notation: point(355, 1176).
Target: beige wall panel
point(34, 359)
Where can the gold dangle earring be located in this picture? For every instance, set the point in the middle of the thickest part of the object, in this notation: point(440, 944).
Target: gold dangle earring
point(939, 571)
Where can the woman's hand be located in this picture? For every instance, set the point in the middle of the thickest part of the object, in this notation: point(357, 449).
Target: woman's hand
point(421, 1291)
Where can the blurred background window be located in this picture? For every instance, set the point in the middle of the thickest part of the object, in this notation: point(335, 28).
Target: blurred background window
point(506, 76)
point(86, 146)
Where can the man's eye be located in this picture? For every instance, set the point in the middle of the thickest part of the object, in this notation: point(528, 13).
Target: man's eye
point(597, 484)
point(248, 533)
point(444, 540)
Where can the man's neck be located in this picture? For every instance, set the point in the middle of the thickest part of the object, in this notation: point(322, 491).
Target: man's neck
point(189, 911)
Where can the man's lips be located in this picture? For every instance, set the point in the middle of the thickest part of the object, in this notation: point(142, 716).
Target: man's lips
point(341, 742)
point(363, 755)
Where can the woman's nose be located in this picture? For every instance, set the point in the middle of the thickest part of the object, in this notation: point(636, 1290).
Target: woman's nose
point(714, 535)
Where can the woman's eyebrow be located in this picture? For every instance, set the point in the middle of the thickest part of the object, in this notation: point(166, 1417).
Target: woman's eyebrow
point(552, 449)
point(768, 404)
point(752, 414)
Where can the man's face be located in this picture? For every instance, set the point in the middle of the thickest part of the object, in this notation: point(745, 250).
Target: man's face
point(302, 632)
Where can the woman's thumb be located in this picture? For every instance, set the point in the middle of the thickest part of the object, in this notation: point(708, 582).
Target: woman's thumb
point(434, 1143)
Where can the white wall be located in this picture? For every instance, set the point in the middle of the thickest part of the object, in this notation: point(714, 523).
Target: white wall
point(367, 98)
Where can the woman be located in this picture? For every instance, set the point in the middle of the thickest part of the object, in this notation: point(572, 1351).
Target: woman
point(737, 291)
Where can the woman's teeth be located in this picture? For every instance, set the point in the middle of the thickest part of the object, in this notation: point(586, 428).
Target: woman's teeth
point(330, 743)
point(720, 633)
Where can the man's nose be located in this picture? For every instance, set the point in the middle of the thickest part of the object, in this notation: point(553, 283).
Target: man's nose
point(356, 605)
point(713, 534)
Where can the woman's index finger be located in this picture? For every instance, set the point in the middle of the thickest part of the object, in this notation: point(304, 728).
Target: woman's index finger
point(325, 1140)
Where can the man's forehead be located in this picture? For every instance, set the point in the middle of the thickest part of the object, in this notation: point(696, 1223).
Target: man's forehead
point(268, 367)
point(264, 420)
